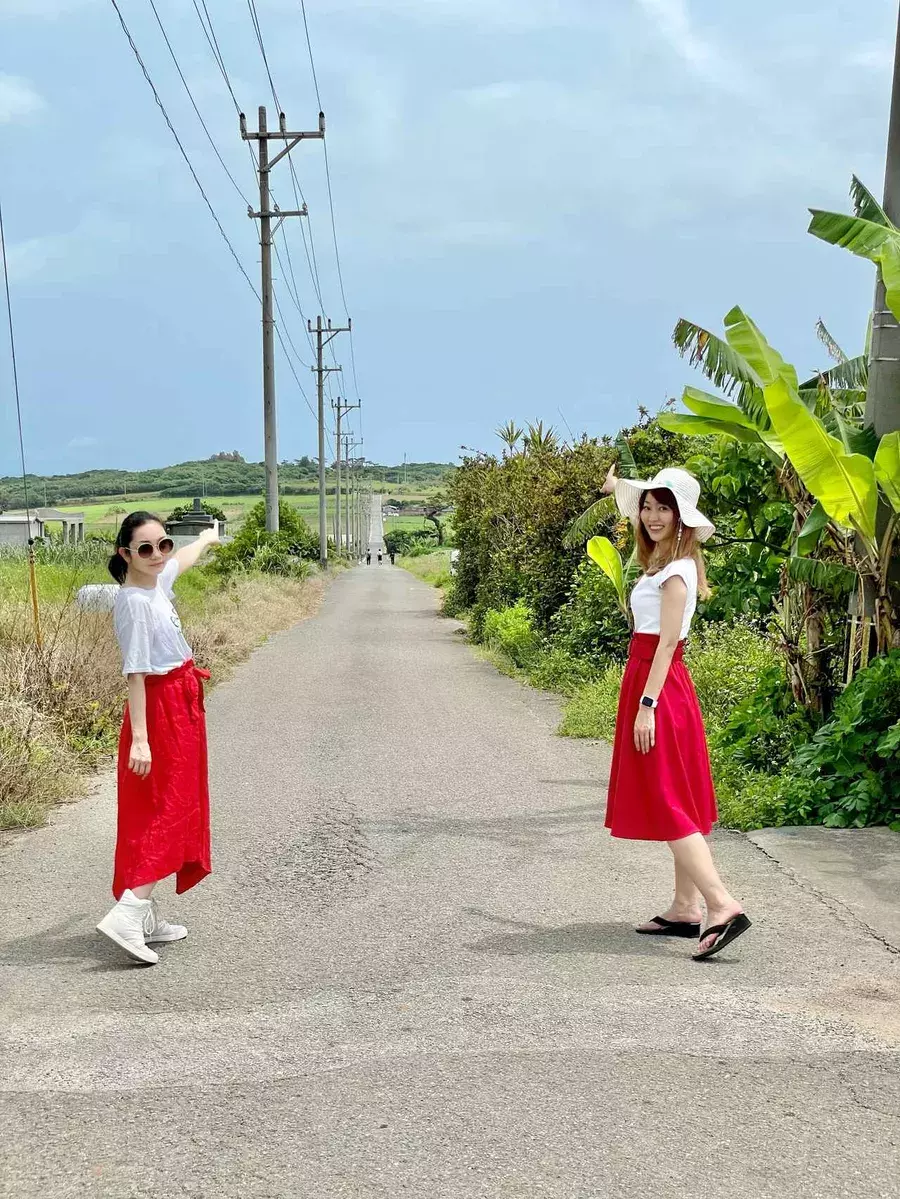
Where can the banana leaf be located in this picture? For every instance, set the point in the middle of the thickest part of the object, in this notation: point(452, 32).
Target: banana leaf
point(715, 357)
point(626, 467)
point(811, 534)
point(585, 525)
point(887, 468)
point(702, 426)
point(865, 204)
point(601, 551)
point(824, 576)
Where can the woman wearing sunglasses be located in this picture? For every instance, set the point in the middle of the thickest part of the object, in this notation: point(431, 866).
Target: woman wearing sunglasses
point(163, 822)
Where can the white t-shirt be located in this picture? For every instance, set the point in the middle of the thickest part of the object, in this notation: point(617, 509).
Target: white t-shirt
point(147, 626)
point(646, 597)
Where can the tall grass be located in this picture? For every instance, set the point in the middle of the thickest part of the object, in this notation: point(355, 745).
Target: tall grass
point(60, 706)
point(432, 567)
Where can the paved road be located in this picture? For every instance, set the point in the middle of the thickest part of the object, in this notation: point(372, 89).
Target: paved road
point(412, 972)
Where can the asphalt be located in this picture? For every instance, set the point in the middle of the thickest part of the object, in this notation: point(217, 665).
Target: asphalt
point(413, 970)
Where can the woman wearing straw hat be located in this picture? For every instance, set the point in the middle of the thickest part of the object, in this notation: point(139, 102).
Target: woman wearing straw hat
point(660, 786)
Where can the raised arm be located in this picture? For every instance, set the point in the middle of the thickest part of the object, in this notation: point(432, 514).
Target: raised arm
point(189, 555)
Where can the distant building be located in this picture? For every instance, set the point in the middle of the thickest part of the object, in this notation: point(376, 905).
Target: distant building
point(15, 528)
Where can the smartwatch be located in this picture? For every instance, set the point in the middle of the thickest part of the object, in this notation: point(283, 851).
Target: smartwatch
point(647, 702)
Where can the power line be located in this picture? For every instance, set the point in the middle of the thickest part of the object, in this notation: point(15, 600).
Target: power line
point(209, 136)
point(214, 47)
point(296, 376)
point(299, 197)
point(32, 576)
point(254, 17)
point(309, 48)
point(184, 153)
point(337, 254)
point(15, 369)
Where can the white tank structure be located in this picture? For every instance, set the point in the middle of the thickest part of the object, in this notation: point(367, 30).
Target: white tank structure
point(97, 597)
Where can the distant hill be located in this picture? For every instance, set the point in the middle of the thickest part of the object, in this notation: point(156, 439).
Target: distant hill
point(219, 475)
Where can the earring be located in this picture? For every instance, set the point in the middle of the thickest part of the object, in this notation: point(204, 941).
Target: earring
point(678, 538)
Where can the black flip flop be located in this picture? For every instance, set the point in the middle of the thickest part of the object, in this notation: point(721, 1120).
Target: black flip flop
point(671, 928)
point(724, 934)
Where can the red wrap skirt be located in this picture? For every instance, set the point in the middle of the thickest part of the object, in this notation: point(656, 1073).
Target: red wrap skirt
point(668, 793)
point(163, 825)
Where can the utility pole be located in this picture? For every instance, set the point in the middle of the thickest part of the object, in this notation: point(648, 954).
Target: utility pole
point(324, 334)
point(341, 409)
point(266, 236)
point(883, 392)
point(349, 444)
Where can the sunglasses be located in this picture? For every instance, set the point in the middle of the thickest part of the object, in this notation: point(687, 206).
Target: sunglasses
point(165, 545)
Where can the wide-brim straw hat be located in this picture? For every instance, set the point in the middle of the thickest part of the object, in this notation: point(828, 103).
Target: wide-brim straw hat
point(682, 485)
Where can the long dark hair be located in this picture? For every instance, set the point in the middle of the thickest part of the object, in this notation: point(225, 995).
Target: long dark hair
point(118, 567)
point(655, 557)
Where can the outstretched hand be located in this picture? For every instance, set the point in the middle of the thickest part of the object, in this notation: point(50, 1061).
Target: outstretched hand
point(611, 480)
point(210, 536)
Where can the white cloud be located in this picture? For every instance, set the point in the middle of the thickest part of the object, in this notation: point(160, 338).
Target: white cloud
point(702, 57)
point(40, 8)
point(82, 443)
point(17, 99)
point(873, 57)
point(86, 251)
point(507, 14)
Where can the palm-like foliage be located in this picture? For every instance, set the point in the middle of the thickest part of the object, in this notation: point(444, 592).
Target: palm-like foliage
point(510, 433)
point(538, 438)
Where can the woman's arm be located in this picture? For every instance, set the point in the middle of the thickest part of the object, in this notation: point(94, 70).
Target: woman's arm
point(674, 602)
point(189, 555)
point(139, 758)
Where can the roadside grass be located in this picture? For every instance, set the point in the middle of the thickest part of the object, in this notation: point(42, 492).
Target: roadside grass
point(60, 707)
point(433, 568)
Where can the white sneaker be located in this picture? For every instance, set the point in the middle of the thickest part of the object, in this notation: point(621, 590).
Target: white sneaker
point(157, 929)
point(125, 925)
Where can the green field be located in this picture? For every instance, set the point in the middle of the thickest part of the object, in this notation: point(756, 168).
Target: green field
point(107, 515)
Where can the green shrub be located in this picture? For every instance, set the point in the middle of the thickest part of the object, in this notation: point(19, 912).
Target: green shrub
point(767, 728)
point(746, 799)
point(726, 663)
point(848, 775)
point(555, 669)
point(591, 624)
point(287, 552)
point(511, 631)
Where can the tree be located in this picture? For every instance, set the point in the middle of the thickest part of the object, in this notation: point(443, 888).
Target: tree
point(434, 508)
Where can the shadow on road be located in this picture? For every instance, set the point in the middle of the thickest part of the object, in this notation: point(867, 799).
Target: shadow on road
point(585, 937)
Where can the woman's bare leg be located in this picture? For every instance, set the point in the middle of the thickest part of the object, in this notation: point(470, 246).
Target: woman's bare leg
point(686, 903)
point(692, 855)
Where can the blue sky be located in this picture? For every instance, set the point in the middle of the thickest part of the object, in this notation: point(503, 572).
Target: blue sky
point(529, 193)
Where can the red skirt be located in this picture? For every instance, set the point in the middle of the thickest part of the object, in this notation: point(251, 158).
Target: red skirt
point(163, 824)
point(668, 793)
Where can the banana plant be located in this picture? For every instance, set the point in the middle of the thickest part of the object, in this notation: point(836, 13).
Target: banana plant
point(846, 483)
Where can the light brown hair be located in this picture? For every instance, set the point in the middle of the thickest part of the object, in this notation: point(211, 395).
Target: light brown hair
point(654, 558)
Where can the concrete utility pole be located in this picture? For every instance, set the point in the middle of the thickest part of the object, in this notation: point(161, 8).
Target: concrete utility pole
point(266, 236)
point(883, 392)
point(324, 334)
point(349, 444)
point(341, 409)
